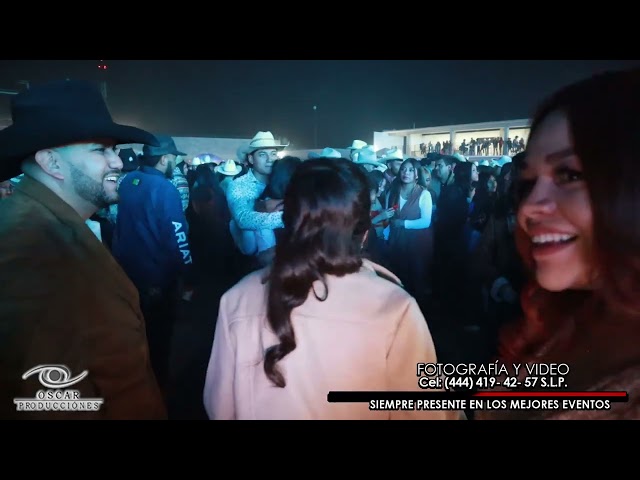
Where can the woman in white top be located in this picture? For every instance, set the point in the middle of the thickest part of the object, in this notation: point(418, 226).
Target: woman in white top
point(411, 235)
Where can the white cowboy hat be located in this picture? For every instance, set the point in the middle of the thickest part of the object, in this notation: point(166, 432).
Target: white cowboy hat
point(502, 160)
point(264, 140)
point(367, 156)
point(393, 154)
point(229, 167)
point(196, 162)
point(357, 145)
point(210, 158)
point(459, 157)
point(326, 153)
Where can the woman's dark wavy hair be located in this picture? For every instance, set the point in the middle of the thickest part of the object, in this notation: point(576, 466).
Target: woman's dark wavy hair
point(326, 216)
point(462, 175)
point(206, 188)
point(281, 173)
point(206, 177)
point(506, 202)
point(604, 118)
point(505, 170)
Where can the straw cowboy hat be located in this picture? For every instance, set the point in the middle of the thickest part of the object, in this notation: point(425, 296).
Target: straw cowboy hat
point(393, 154)
point(261, 141)
point(229, 167)
point(367, 156)
point(326, 153)
point(357, 145)
point(59, 113)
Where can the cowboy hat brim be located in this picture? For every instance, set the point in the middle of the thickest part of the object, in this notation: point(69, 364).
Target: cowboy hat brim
point(18, 142)
point(219, 169)
point(250, 149)
point(370, 162)
point(320, 155)
point(246, 150)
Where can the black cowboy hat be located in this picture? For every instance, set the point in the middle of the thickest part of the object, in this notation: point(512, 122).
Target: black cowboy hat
point(59, 113)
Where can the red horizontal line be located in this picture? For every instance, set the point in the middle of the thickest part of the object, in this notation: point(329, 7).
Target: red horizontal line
point(550, 394)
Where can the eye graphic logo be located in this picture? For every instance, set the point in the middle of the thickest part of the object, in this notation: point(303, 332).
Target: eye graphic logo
point(58, 397)
point(55, 376)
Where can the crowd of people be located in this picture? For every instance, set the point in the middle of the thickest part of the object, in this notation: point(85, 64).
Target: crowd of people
point(322, 273)
point(485, 146)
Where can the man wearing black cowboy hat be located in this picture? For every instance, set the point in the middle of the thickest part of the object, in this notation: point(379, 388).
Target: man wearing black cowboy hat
point(65, 305)
point(151, 242)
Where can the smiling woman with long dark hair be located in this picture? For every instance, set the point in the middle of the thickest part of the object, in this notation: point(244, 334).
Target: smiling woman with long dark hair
point(320, 318)
point(579, 234)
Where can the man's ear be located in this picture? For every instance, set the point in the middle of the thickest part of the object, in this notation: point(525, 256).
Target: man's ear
point(49, 161)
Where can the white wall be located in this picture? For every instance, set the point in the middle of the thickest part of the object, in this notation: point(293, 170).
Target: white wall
point(193, 146)
point(384, 140)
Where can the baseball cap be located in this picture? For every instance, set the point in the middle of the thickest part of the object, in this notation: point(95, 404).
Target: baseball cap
point(129, 159)
point(167, 147)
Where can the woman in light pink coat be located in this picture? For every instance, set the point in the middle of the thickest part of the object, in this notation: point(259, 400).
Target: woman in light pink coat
point(321, 318)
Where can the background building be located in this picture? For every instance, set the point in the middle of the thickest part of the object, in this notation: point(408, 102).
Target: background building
point(409, 140)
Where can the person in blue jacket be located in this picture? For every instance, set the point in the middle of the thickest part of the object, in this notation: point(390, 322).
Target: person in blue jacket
point(151, 244)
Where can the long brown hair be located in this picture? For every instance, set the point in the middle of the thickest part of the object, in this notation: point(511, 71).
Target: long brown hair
point(394, 191)
point(325, 216)
point(604, 117)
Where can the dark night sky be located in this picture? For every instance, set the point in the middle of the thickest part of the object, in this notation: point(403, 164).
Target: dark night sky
point(354, 98)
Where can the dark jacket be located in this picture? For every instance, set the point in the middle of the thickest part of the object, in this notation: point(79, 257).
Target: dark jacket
point(151, 236)
point(64, 300)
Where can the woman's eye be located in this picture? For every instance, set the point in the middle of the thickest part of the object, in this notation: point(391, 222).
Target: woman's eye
point(567, 175)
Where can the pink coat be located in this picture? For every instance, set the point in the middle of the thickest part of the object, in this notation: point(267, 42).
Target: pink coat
point(367, 335)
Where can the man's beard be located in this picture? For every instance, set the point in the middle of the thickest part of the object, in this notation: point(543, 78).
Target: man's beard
point(91, 190)
point(169, 171)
